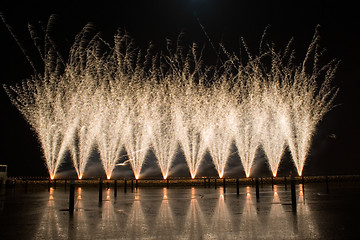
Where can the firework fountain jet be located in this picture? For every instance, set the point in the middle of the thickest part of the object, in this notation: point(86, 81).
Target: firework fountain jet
point(112, 98)
point(221, 125)
point(82, 71)
point(43, 99)
point(137, 130)
point(190, 113)
point(308, 102)
point(250, 121)
point(109, 139)
point(190, 105)
point(163, 139)
point(273, 139)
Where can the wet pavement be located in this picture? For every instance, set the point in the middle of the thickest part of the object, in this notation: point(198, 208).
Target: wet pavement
point(182, 213)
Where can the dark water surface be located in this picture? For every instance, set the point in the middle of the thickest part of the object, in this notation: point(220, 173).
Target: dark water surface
point(182, 213)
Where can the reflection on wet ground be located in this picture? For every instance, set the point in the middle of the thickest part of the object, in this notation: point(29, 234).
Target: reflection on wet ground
point(182, 213)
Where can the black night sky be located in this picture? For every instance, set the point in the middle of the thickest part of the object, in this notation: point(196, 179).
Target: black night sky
point(335, 145)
